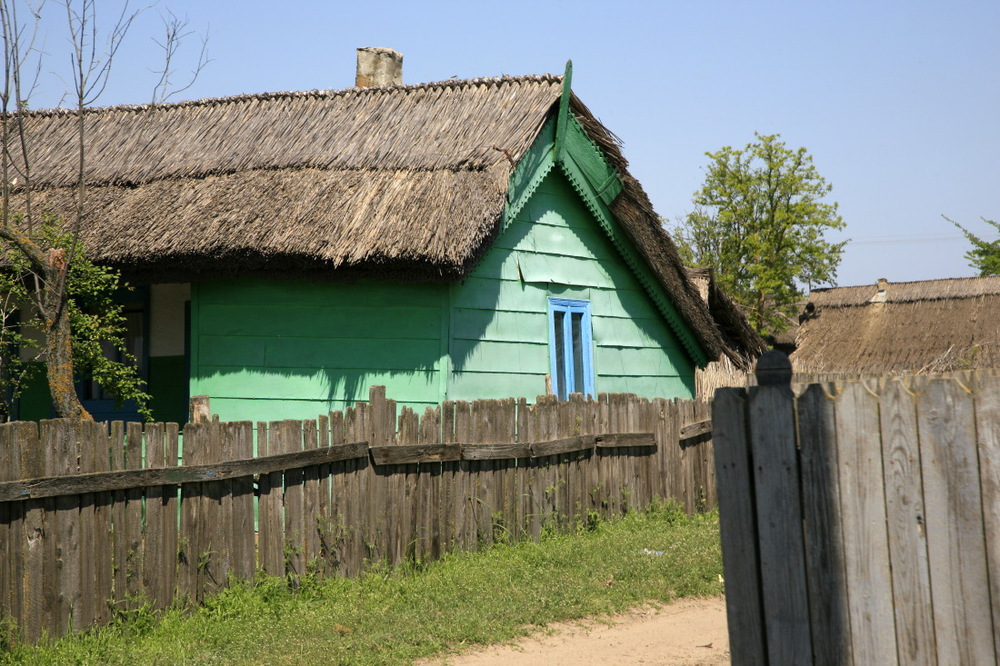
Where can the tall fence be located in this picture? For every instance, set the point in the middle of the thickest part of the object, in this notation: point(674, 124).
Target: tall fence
point(93, 521)
point(861, 520)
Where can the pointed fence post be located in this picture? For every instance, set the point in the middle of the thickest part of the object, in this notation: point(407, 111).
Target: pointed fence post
point(760, 512)
point(200, 409)
point(777, 484)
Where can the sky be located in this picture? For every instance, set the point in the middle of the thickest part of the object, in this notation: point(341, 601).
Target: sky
point(897, 102)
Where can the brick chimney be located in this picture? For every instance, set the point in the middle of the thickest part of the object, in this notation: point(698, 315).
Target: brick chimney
point(379, 66)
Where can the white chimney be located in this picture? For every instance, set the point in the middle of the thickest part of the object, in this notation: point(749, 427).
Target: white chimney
point(880, 295)
point(379, 66)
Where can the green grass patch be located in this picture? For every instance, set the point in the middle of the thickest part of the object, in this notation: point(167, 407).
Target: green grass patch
point(396, 616)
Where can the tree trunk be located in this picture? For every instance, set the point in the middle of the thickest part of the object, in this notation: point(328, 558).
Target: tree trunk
point(59, 344)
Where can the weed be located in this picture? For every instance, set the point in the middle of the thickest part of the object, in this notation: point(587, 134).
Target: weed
point(10, 633)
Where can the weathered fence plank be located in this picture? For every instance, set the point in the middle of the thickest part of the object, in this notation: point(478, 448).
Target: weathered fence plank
point(61, 446)
point(988, 439)
point(956, 547)
point(866, 547)
point(771, 409)
point(100, 482)
point(738, 525)
point(38, 543)
point(270, 516)
point(828, 611)
point(904, 494)
point(243, 560)
point(118, 516)
point(10, 538)
point(289, 438)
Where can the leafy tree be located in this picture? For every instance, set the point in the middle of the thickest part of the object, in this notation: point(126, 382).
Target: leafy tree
point(97, 324)
point(759, 222)
point(984, 255)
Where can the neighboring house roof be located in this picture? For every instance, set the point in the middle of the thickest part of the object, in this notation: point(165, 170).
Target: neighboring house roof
point(912, 327)
point(404, 182)
point(743, 344)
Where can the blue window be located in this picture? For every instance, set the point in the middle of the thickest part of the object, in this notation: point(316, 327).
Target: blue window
point(570, 347)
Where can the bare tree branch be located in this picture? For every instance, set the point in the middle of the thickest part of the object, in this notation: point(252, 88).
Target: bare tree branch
point(175, 32)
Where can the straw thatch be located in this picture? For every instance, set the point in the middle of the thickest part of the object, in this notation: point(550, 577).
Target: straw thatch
point(911, 327)
point(744, 345)
point(398, 182)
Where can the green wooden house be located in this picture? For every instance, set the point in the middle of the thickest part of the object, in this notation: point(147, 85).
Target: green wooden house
point(456, 240)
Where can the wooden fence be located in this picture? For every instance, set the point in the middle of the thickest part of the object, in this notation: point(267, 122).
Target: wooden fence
point(92, 521)
point(861, 521)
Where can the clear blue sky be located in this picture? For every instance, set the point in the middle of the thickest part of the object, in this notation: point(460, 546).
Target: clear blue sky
point(898, 102)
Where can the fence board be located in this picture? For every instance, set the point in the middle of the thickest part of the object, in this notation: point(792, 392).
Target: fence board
point(823, 535)
point(133, 518)
point(988, 434)
point(356, 509)
point(35, 538)
point(161, 519)
point(61, 446)
point(447, 495)
point(956, 547)
point(217, 512)
point(242, 562)
point(118, 521)
point(324, 495)
point(269, 507)
point(192, 551)
point(911, 585)
point(738, 526)
point(288, 434)
point(86, 446)
point(11, 523)
point(866, 547)
point(779, 521)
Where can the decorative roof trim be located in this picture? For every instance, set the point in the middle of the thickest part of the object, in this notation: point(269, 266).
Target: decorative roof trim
point(531, 170)
point(638, 267)
point(562, 141)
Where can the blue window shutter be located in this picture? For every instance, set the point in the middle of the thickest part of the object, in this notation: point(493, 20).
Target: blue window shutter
point(570, 347)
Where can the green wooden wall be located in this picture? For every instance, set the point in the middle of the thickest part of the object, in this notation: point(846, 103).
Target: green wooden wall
point(267, 350)
point(499, 320)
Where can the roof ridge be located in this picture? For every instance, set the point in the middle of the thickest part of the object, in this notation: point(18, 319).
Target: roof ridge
point(907, 282)
point(485, 81)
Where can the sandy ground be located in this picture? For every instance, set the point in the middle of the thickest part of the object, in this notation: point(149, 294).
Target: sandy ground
point(687, 632)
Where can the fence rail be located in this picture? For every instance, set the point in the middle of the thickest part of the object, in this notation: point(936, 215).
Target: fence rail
point(861, 520)
point(92, 520)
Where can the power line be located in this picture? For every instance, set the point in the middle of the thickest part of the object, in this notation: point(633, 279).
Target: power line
point(901, 240)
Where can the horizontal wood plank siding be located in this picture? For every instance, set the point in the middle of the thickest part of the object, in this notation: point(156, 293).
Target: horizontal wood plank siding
point(555, 248)
point(295, 349)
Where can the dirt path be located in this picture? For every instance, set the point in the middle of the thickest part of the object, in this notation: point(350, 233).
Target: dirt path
point(687, 632)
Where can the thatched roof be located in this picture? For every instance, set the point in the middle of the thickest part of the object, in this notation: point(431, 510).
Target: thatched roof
point(743, 344)
point(398, 182)
point(911, 327)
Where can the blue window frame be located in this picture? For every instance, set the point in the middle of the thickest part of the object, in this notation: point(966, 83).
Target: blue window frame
point(570, 347)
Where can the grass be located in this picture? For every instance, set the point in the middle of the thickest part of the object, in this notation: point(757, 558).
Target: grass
point(394, 617)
